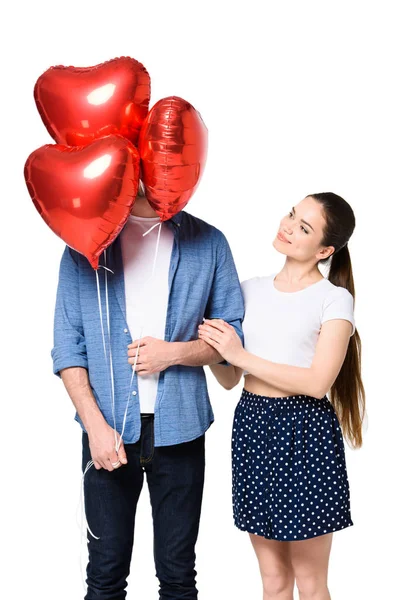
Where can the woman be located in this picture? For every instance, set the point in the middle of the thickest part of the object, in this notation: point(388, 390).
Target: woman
point(290, 487)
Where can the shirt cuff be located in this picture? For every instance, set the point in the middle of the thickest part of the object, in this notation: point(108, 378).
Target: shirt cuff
point(60, 363)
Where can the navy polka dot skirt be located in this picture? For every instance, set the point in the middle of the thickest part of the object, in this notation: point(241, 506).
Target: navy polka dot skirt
point(289, 478)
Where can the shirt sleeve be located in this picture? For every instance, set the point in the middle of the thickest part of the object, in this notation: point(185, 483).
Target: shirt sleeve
point(339, 304)
point(226, 298)
point(69, 348)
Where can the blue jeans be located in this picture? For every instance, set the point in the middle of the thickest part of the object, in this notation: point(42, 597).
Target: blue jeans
point(175, 476)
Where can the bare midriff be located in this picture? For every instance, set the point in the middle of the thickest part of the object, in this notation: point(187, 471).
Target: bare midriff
point(256, 386)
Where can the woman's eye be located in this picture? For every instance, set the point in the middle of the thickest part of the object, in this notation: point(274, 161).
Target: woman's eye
point(301, 226)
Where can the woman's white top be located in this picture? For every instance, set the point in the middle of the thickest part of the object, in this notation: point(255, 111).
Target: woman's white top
point(283, 327)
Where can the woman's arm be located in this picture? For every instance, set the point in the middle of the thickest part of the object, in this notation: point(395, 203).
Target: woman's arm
point(313, 381)
point(227, 376)
point(316, 380)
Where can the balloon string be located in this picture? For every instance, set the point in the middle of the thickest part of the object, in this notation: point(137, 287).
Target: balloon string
point(156, 252)
point(90, 463)
point(151, 228)
point(109, 346)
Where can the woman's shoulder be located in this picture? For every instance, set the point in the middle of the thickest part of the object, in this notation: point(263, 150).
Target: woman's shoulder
point(337, 291)
point(255, 287)
point(256, 281)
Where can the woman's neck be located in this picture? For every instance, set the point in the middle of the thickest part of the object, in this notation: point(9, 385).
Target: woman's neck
point(294, 272)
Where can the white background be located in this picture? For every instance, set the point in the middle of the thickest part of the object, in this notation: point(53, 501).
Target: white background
point(298, 97)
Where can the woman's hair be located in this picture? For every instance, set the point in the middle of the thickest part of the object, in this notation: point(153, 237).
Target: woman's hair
point(347, 393)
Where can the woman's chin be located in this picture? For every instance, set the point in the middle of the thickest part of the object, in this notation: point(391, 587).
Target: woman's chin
point(279, 246)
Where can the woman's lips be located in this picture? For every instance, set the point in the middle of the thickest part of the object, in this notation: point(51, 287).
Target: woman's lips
point(282, 238)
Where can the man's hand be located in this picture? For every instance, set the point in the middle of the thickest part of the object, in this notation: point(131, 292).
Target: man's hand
point(102, 448)
point(154, 355)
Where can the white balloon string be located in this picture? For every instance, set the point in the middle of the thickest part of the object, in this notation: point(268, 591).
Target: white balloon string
point(151, 228)
point(157, 246)
point(109, 348)
point(130, 386)
point(109, 364)
point(90, 463)
point(101, 315)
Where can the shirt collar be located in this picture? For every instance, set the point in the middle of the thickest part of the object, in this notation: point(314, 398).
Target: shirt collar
point(115, 254)
point(177, 218)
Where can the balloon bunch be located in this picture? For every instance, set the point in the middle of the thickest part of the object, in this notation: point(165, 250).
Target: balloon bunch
point(106, 137)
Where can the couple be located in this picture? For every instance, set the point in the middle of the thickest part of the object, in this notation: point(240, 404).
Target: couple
point(289, 482)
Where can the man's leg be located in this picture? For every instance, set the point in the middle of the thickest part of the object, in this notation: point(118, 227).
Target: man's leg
point(176, 478)
point(110, 503)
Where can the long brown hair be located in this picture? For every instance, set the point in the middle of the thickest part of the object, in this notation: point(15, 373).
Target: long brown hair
point(347, 394)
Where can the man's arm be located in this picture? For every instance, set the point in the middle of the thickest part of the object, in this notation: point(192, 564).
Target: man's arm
point(69, 349)
point(226, 299)
point(76, 382)
point(315, 380)
point(70, 363)
point(225, 302)
point(156, 355)
point(102, 437)
point(194, 354)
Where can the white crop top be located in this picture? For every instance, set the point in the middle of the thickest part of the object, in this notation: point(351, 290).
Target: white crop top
point(283, 327)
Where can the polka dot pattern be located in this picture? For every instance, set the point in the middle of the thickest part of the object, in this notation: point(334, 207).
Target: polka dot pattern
point(289, 478)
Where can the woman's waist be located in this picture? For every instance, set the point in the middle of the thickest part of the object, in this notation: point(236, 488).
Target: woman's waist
point(261, 388)
point(267, 393)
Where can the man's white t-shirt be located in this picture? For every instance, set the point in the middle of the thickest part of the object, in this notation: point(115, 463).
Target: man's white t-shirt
point(146, 297)
point(283, 327)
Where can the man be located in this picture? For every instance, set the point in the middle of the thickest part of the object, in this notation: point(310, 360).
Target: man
point(169, 408)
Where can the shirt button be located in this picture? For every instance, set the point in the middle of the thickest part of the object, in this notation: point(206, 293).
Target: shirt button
point(125, 330)
point(134, 393)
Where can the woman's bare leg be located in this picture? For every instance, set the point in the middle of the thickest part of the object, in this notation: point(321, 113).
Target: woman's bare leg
point(275, 568)
point(310, 560)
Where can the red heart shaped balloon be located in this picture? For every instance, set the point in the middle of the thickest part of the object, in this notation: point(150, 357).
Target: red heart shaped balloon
point(85, 194)
point(79, 105)
point(173, 150)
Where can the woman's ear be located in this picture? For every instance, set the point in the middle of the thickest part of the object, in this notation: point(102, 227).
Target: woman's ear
point(325, 252)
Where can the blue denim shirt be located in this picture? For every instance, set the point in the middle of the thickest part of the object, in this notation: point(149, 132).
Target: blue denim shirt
point(203, 282)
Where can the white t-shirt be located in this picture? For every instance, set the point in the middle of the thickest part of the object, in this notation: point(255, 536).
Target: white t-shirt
point(146, 298)
point(283, 327)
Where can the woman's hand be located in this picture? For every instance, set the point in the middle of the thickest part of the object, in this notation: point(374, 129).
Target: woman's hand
point(223, 337)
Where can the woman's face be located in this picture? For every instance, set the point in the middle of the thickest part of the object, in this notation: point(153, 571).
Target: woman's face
point(301, 231)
